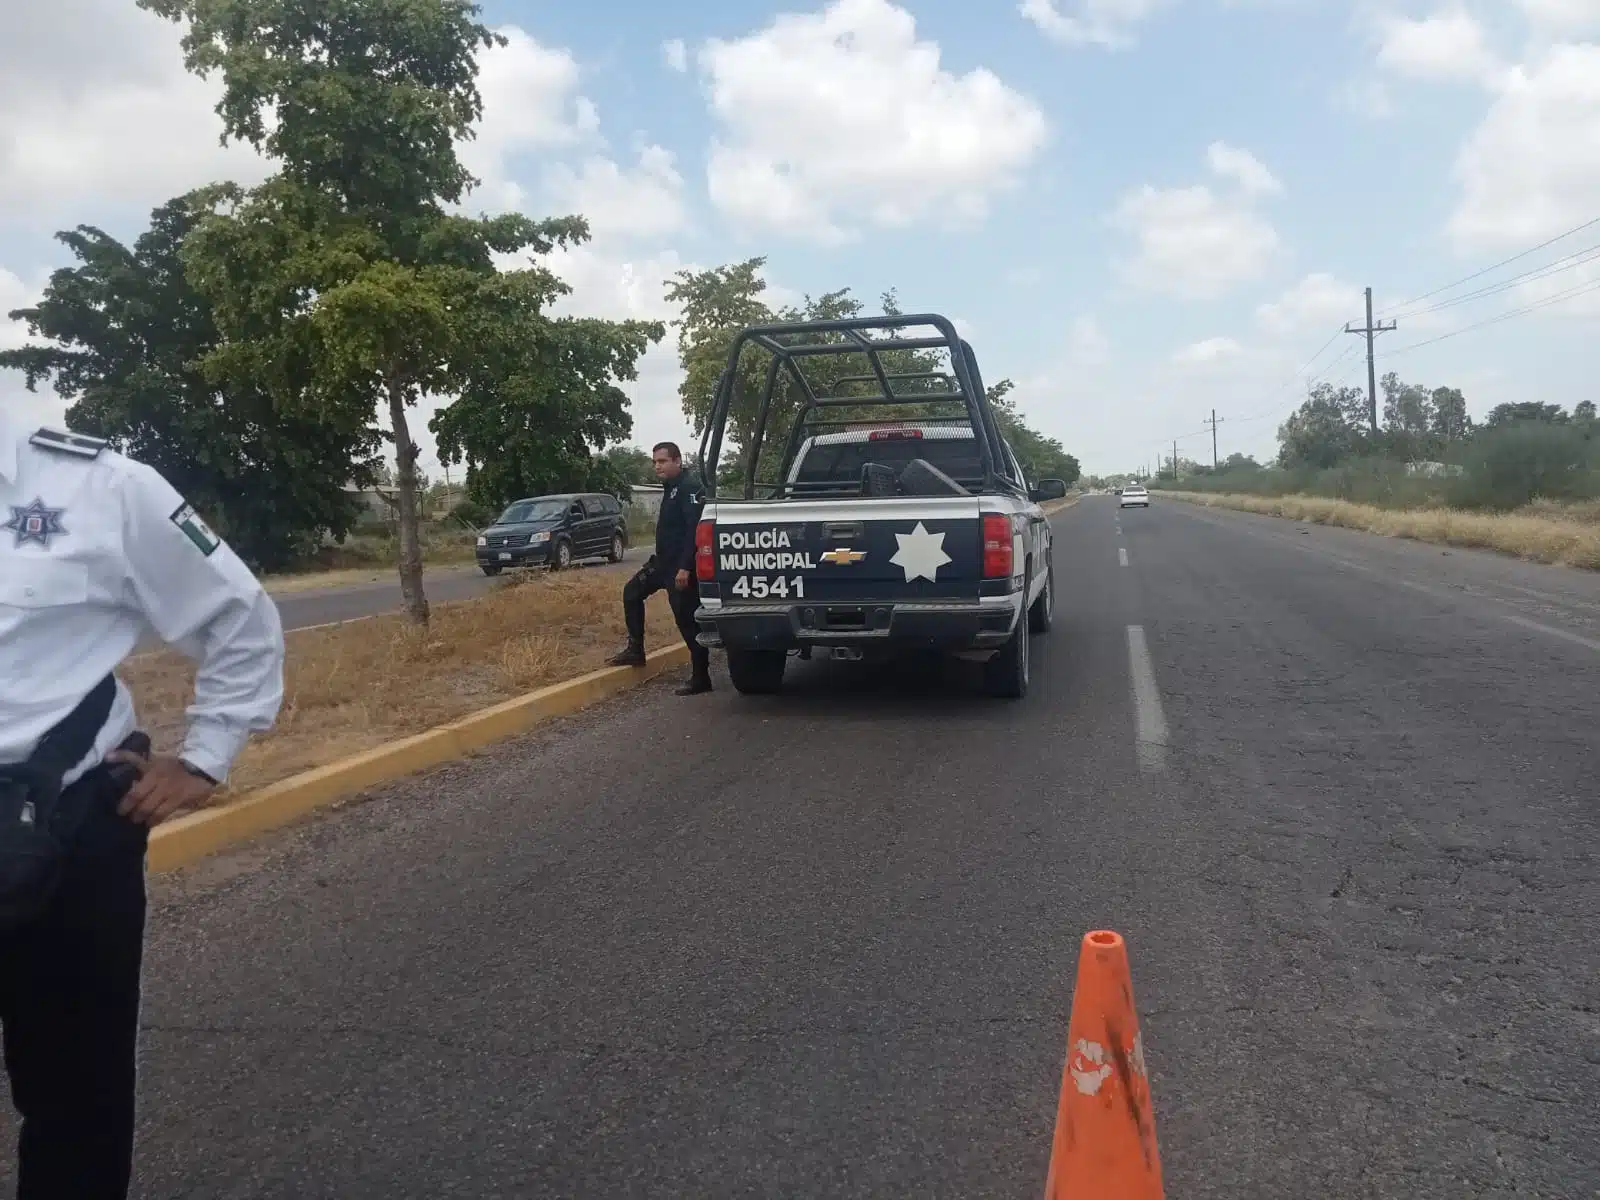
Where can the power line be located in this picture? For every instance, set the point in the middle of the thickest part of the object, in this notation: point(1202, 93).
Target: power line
point(1568, 262)
point(1370, 332)
point(1496, 266)
point(1214, 422)
point(1571, 293)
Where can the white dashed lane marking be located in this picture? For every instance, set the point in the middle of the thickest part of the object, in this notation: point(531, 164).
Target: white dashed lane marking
point(1150, 723)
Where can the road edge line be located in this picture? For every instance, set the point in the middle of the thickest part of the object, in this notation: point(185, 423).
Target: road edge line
point(187, 839)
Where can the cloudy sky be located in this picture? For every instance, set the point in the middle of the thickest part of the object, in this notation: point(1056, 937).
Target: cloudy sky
point(1141, 209)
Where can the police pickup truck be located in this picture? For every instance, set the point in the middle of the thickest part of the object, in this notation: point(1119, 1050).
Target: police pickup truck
point(869, 514)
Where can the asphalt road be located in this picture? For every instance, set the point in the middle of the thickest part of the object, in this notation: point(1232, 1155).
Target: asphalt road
point(829, 951)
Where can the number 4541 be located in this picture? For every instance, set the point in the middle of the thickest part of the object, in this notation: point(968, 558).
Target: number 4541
point(759, 587)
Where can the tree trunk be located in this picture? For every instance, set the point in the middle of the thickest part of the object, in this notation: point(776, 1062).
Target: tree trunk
point(416, 603)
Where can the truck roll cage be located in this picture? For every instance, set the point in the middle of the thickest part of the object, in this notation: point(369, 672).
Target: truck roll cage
point(792, 343)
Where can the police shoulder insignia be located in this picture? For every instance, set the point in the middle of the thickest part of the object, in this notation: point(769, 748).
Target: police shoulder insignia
point(196, 530)
point(63, 442)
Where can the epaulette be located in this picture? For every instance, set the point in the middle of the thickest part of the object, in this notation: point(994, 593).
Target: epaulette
point(62, 442)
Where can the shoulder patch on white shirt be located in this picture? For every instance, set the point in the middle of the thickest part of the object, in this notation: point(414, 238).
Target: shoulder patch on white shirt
point(62, 442)
point(195, 529)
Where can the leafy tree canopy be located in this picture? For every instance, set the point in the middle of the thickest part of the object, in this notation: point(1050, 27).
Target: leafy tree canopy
point(127, 332)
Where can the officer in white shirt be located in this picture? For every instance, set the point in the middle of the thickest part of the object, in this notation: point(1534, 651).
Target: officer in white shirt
point(95, 549)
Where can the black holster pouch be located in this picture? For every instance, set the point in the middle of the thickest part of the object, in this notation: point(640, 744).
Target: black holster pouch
point(36, 828)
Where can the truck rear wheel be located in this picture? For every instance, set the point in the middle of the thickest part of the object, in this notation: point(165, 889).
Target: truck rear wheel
point(1043, 613)
point(757, 672)
point(1006, 675)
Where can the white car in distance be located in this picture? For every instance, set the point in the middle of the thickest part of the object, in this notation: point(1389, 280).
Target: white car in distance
point(1134, 496)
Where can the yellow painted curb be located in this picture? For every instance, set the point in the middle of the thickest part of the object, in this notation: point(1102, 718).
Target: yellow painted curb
point(189, 838)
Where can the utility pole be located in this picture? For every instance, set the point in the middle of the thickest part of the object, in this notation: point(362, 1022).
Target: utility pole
point(1370, 331)
point(1214, 422)
point(1174, 460)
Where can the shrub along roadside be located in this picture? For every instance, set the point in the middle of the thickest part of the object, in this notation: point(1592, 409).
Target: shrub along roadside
point(1502, 469)
point(1564, 536)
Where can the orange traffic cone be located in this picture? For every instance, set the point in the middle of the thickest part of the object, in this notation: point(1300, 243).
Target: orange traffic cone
point(1105, 1142)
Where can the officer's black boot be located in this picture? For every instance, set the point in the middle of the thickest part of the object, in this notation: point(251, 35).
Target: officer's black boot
point(631, 655)
point(699, 681)
point(697, 684)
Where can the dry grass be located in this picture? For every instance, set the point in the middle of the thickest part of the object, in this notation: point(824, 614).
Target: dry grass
point(1566, 535)
point(352, 688)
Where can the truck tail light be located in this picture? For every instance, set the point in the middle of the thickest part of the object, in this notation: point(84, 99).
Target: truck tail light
point(894, 435)
point(705, 551)
point(998, 559)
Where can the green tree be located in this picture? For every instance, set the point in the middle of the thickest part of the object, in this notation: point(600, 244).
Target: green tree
point(1526, 410)
point(1326, 429)
point(1450, 420)
point(632, 465)
point(125, 331)
point(1583, 412)
point(1408, 417)
point(347, 267)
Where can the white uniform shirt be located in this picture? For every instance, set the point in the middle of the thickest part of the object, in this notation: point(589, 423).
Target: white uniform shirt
point(96, 549)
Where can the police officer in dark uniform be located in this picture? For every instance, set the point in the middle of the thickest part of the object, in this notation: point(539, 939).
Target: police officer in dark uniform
point(670, 568)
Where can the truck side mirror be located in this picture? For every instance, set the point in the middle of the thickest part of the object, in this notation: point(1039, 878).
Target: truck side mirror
point(1049, 489)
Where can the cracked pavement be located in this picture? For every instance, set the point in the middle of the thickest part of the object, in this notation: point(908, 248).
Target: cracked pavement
point(827, 947)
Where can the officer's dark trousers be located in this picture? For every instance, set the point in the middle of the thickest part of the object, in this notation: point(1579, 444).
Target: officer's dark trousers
point(646, 583)
point(69, 1004)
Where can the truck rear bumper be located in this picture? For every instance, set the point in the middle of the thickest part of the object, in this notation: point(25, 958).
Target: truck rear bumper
point(952, 625)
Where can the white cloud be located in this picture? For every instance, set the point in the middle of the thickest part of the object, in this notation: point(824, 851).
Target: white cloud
point(675, 54)
point(1107, 23)
point(530, 104)
point(1316, 302)
point(840, 119)
point(1087, 344)
point(1243, 168)
point(1194, 243)
point(1449, 45)
point(1532, 168)
point(1210, 350)
point(43, 407)
point(644, 202)
point(96, 110)
point(1562, 16)
point(1368, 98)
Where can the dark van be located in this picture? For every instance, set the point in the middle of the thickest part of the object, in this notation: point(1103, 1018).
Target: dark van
point(554, 531)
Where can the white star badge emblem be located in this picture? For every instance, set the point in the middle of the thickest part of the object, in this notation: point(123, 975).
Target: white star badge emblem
point(921, 553)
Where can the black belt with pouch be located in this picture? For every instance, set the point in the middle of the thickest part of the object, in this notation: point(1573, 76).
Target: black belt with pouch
point(37, 822)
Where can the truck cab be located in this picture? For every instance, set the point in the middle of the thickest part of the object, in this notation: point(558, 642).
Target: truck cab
point(894, 518)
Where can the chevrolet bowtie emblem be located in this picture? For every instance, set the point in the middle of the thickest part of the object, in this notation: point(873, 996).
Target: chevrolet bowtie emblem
point(843, 556)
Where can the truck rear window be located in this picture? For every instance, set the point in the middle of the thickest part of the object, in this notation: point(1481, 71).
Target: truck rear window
point(841, 462)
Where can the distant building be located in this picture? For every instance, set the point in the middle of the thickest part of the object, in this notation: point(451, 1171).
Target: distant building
point(646, 498)
point(378, 505)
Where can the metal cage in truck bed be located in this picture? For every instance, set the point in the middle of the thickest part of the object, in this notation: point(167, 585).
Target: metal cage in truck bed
point(955, 397)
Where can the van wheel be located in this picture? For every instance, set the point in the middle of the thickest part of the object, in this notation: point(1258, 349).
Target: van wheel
point(757, 672)
point(561, 556)
point(1006, 675)
point(618, 549)
point(1043, 613)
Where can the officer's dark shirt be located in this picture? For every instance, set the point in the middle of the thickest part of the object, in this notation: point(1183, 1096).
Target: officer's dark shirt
point(681, 502)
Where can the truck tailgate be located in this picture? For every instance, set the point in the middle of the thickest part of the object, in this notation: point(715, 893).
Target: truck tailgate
point(898, 549)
